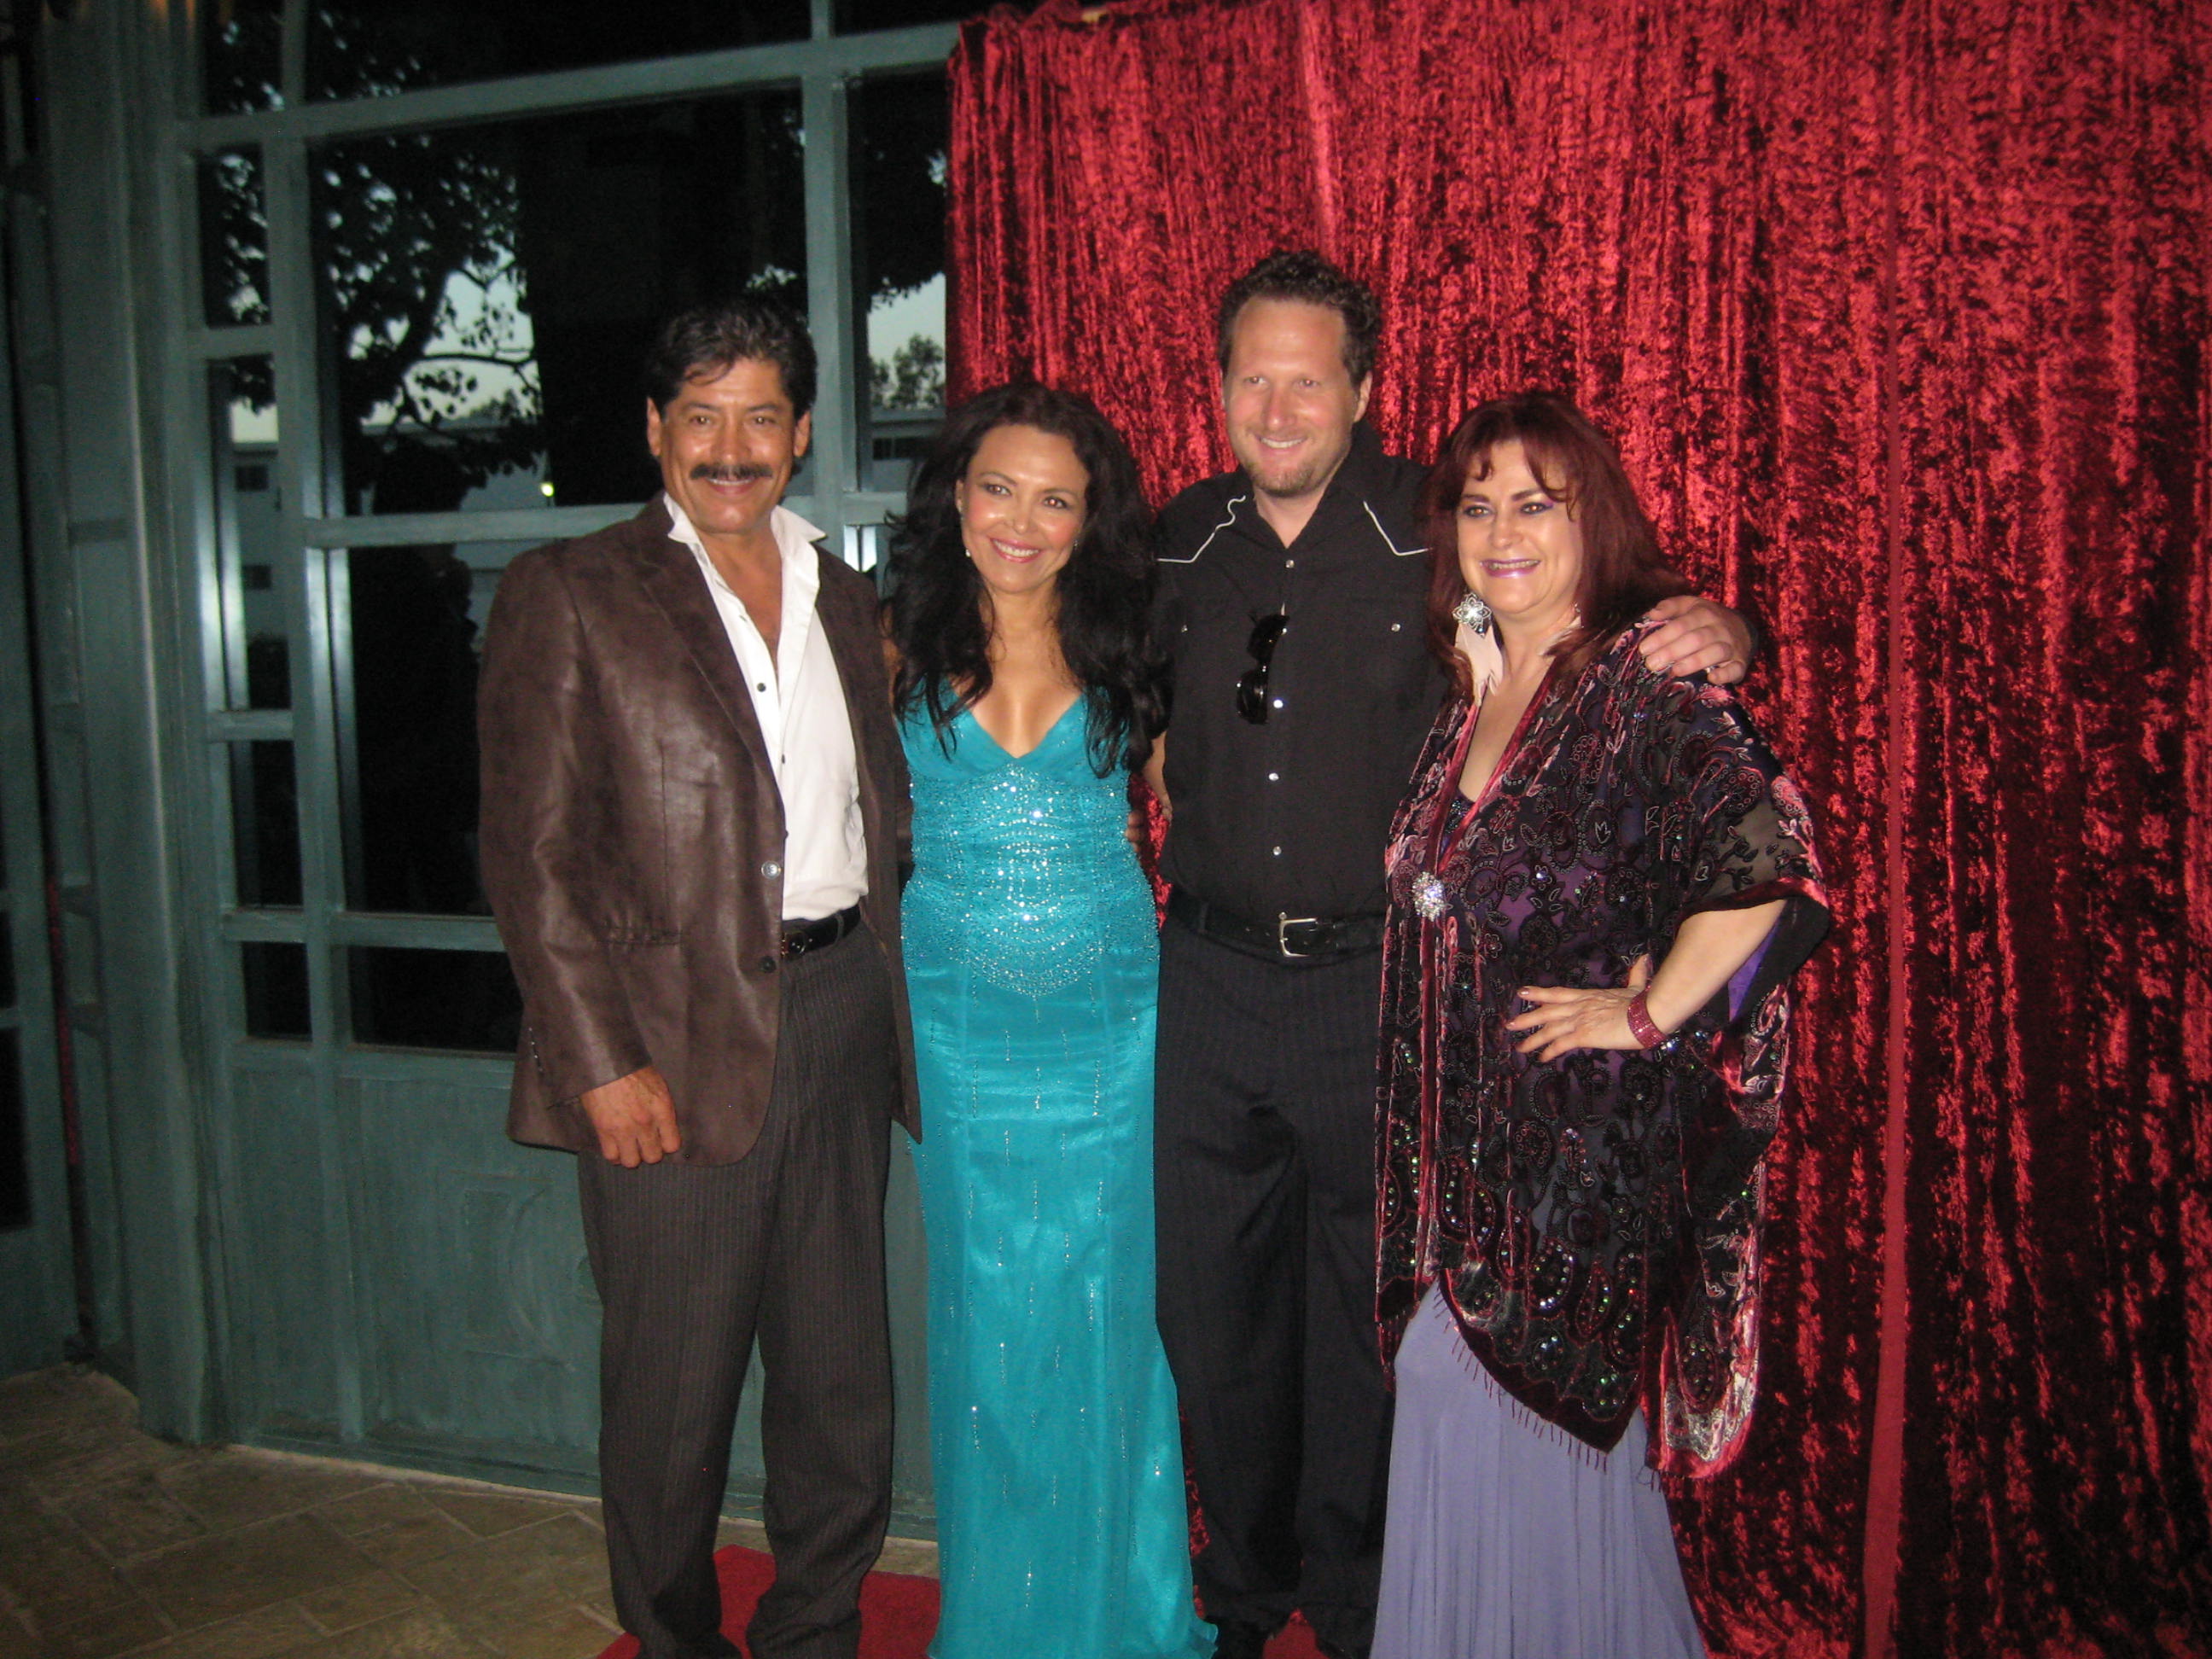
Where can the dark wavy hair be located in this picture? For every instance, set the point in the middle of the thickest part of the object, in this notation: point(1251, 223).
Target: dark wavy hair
point(1623, 576)
point(1303, 275)
point(936, 608)
point(702, 342)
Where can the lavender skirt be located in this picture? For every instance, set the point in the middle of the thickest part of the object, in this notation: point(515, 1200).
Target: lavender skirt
point(1506, 1540)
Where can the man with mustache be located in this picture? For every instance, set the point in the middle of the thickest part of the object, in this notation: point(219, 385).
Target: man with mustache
point(694, 801)
point(1291, 603)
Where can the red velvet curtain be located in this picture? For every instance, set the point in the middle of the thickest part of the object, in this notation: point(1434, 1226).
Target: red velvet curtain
point(1899, 311)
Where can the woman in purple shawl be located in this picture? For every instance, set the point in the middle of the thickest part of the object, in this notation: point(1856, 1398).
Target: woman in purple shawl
point(1600, 882)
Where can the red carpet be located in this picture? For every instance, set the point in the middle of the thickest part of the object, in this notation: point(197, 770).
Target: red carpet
point(898, 1611)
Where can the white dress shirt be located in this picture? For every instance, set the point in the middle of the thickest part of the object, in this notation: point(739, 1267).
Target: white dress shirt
point(800, 703)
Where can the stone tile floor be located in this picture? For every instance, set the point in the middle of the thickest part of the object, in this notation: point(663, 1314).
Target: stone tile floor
point(114, 1542)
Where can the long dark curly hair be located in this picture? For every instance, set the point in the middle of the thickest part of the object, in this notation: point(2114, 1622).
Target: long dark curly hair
point(938, 607)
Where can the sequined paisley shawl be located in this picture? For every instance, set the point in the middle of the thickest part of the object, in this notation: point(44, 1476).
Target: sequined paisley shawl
point(1594, 1220)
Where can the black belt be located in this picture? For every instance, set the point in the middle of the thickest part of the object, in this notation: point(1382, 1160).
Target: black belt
point(801, 937)
point(1287, 936)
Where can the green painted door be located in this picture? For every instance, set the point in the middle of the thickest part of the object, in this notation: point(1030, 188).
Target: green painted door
point(37, 1302)
point(391, 324)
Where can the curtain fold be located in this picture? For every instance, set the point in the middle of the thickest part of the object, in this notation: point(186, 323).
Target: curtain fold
point(1899, 312)
point(2051, 183)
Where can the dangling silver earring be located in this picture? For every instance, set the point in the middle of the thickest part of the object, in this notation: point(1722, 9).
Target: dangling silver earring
point(1472, 613)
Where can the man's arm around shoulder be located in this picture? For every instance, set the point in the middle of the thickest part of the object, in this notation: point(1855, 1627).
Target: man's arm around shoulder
point(1696, 635)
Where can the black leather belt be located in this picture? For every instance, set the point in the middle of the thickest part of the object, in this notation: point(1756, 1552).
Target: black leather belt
point(801, 937)
point(1288, 937)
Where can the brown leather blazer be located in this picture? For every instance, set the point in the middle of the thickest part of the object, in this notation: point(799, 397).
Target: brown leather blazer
point(632, 835)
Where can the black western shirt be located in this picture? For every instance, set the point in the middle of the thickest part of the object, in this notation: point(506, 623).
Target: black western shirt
point(1289, 818)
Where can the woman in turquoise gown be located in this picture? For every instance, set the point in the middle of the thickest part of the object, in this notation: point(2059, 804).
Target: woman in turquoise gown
point(1026, 691)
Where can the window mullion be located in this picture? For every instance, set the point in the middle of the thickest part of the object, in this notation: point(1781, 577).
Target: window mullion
point(304, 572)
point(303, 464)
point(830, 310)
point(292, 54)
point(740, 69)
point(205, 342)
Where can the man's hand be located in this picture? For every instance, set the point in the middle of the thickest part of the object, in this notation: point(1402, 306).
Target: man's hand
point(634, 1117)
point(1697, 633)
point(1156, 780)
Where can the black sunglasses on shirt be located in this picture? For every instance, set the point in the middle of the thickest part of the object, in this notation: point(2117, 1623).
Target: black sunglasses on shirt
point(1252, 687)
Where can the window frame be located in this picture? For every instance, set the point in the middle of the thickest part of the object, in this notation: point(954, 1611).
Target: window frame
point(315, 536)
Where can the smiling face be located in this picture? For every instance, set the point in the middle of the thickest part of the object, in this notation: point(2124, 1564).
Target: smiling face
point(1288, 400)
point(1022, 506)
point(1520, 548)
point(727, 445)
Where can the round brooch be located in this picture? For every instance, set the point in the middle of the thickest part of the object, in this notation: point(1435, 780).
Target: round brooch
point(1429, 895)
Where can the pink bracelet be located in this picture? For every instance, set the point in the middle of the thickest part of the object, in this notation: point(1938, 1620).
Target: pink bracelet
point(1639, 1024)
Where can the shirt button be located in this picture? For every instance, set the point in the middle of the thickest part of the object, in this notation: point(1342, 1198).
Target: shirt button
point(1290, 564)
point(771, 870)
point(1274, 777)
point(1278, 852)
point(1278, 702)
point(762, 686)
point(1393, 628)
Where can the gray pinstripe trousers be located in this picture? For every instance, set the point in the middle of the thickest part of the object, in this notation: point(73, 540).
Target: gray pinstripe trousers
point(694, 1263)
point(1265, 1162)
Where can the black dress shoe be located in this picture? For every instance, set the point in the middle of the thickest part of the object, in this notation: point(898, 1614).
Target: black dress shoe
point(1234, 1639)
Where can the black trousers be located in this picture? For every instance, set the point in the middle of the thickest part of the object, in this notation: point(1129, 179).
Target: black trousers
point(1265, 1155)
point(696, 1262)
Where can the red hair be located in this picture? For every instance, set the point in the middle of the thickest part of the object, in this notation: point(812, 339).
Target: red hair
point(1623, 576)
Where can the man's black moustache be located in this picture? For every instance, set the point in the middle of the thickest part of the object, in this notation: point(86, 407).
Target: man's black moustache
point(746, 474)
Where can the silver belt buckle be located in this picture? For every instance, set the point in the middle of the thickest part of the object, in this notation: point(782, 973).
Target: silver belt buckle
point(1282, 940)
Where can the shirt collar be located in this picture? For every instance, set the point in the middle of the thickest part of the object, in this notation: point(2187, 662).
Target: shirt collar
point(794, 540)
point(1357, 480)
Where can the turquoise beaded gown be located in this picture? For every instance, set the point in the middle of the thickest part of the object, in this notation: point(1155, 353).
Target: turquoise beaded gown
point(1032, 968)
